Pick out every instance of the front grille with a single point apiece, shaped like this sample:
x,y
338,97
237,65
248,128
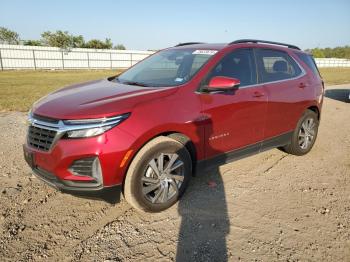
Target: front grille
x,y
40,138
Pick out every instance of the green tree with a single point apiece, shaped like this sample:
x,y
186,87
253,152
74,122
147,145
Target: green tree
x,y
318,53
9,37
57,39
33,42
62,39
347,52
98,44
337,52
119,47
78,41
328,52
108,43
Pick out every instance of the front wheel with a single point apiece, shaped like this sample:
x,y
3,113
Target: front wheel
x,y
304,136
158,175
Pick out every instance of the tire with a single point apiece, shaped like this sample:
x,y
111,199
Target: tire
x,y
149,189
296,146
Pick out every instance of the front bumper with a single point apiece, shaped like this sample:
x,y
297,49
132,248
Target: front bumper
x,y
110,194
54,166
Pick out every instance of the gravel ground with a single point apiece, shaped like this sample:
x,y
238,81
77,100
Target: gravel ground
x,y
267,207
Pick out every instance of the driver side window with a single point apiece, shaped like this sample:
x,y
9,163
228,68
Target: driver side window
x,y
238,64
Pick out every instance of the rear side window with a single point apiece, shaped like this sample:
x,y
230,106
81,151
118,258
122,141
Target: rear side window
x,y
276,65
310,62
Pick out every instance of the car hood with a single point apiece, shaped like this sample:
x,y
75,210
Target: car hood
x,y
95,99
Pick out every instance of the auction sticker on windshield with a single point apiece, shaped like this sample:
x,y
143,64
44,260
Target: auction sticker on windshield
x,y
205,52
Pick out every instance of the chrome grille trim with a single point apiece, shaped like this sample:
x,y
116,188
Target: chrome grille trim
x,y
45,119
60,127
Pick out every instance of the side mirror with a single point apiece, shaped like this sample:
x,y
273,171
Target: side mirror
x,y
223,83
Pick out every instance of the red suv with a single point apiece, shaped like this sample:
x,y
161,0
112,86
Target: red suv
x,y
144,131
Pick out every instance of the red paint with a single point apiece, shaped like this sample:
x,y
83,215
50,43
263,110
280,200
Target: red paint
x,y
214,122
222,82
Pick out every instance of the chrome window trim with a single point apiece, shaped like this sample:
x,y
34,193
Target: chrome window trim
x,y
302,74
261,84
277,81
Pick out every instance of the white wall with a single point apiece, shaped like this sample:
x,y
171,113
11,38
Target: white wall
x,y
332,62
37,57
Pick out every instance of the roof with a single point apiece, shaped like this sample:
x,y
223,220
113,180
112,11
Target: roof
x,y
253,42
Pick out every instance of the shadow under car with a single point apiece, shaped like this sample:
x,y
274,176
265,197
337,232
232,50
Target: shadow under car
x,y
342,95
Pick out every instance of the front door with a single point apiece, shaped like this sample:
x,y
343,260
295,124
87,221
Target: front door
x,y
235,119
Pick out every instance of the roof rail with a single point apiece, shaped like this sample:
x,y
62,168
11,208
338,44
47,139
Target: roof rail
x,y
240,41
189,43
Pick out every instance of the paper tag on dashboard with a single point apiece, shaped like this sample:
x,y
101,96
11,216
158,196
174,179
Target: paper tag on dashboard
x,y
205,52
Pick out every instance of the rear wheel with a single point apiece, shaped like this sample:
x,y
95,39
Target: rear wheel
x,y
304,136
158,175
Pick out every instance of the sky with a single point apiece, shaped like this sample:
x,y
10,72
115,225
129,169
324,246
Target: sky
x,y
154,24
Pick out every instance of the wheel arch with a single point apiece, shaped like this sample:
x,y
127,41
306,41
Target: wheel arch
x,y
316,110
179,137
187,142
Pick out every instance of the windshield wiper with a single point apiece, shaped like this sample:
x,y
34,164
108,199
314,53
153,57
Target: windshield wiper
x,y
134,83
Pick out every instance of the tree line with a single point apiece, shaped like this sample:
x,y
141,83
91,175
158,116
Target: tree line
x,y
61,39
65,40
337,52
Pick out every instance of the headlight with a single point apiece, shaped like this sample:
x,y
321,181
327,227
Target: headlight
x,y
88,132
91,127
29,117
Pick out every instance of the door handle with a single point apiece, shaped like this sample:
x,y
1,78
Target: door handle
x,y
258,94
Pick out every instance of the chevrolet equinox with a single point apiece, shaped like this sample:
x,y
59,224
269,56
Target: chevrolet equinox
x,y
144,131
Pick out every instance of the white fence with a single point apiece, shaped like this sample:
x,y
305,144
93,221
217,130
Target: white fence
x,y
38,57
332,62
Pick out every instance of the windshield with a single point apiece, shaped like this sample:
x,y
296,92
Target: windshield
x,y
166,68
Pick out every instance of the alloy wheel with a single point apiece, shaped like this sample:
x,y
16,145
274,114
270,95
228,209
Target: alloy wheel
x,y
307,133
163,178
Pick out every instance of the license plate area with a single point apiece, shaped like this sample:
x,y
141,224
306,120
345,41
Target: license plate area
x,y
29,157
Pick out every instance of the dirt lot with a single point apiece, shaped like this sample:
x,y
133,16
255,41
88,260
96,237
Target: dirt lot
x,y
267,207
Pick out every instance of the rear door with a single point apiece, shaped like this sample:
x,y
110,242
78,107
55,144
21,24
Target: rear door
x,y
234,119
285,84
317,83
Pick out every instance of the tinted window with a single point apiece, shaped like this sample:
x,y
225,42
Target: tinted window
x,y
309,61
276,65
238,64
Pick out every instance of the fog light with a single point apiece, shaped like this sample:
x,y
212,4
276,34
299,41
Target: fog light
x,y
96,170
88,167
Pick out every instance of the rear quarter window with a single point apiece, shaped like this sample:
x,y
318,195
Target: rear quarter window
x,y
310,62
